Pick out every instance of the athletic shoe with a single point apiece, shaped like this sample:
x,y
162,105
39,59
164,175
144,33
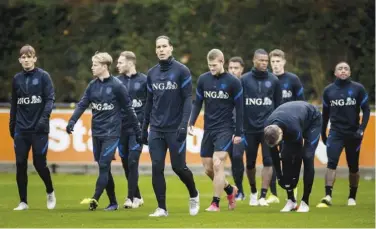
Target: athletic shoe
x,y
272,199
351,202
137,202
112,207
159,212
51,200
194,204
240,196
262,202
303,207
231,198
253,201
21,206
325,202
290,206
213,208
128,203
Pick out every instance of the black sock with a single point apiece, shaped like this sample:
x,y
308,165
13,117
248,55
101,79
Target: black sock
x,y
328,190
216,200
263,192
137,194
353,191
229,189
290,195
253,188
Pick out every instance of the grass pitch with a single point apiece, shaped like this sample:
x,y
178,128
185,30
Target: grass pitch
x,y
71,189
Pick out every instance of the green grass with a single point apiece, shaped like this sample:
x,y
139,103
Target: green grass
x,y
70,189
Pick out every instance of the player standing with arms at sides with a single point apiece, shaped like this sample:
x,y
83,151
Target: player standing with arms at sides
x,y
292,90
222,93
262,94
294,127
236,67
110,101
129,149
167,110
32,101
342,101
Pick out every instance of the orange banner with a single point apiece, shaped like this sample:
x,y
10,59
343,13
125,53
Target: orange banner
x,y
78,146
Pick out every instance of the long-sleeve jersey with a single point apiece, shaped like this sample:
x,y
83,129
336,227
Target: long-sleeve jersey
x,y
262,94
32,101
342,101
292,88
294,118
109,99
169,100
136,85
221,94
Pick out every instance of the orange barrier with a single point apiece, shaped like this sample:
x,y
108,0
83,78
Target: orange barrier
x,y
78,147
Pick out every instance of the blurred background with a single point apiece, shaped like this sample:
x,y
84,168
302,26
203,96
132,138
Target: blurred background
x,y
315,35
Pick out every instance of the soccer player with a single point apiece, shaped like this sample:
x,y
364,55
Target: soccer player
x,y
222,92
129,149
32,101
292,90
109,101
295,127
236,67
262,94
167,110
342,101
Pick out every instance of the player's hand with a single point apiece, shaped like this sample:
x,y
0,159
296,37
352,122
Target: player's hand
x,y
70,127
324,138
237,139
191,131
359,134
181,134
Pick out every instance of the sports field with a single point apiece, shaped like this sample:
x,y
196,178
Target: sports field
x,y
70,189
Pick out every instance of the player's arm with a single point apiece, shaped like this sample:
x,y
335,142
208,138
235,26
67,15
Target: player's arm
x,y
197,105
148,105
49,98
125,102
186,93
81,106
143,97
363,98
13,109
325,116
238,100
277,97
298,89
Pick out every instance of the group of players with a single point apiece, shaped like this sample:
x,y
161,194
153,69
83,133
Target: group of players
x,y
242,112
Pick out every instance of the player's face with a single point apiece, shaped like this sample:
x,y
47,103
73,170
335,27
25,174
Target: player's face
x,y
163,49
122,65
215,66
98,68
278,64
235,68
342,71
260,61
27,61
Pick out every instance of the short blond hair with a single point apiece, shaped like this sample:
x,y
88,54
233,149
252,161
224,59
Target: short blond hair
x,y
214,54
103,58
130,56
27,50
277,53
